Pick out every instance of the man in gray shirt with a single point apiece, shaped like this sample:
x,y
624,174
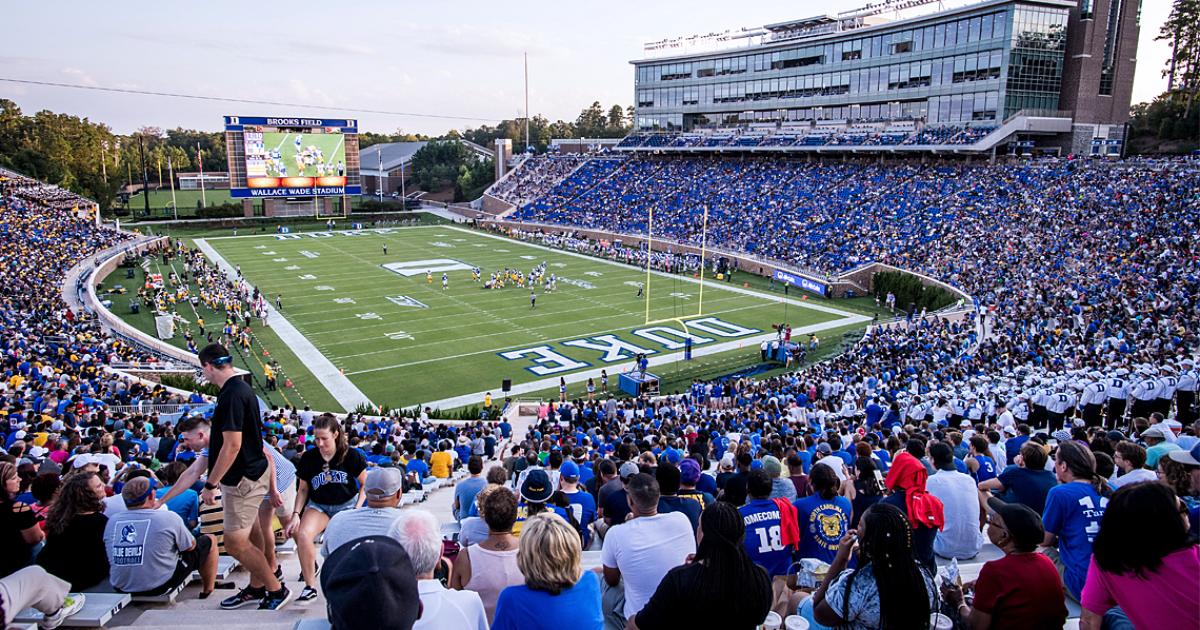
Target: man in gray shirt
x,y
151,551
384,489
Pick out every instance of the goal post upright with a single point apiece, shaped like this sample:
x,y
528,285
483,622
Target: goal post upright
x,y
703,253
649,255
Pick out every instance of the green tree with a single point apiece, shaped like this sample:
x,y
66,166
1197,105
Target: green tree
x,y
449,164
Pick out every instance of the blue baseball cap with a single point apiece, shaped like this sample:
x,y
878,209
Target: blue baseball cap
x,y
569,470
673,456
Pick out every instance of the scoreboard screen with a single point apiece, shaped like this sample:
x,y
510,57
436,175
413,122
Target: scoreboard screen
x,y
292,157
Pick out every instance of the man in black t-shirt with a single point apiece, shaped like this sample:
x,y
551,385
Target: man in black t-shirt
x,y
236,462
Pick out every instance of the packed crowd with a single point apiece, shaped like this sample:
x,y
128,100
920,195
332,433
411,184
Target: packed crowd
x,y
1064,439
534,177
852,135
34,192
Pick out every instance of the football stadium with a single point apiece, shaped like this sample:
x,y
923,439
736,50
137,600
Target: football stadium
x,y
886,317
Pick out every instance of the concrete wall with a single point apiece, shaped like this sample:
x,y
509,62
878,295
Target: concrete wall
x,y
114,323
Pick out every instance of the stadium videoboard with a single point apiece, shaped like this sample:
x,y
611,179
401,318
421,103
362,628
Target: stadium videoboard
x,y
292,157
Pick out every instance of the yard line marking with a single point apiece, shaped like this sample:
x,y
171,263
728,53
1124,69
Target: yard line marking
x,y
696,281
343,391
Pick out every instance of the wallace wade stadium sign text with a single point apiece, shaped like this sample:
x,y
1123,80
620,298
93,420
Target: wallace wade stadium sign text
x,y
317,191
547,360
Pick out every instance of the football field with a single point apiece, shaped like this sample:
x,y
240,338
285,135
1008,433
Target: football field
x,y
332,149
381,328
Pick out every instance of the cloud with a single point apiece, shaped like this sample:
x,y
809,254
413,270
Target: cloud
x,y
473,41
331,48
79,76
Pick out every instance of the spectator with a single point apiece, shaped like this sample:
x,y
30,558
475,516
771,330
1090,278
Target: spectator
x,y
332,476
868,488
669,477
638,553
1131,464
1190,460
1073,512
536,492
615,503
383,489
557,593
960,538
490,566
771,532
370,583
581,505
465,490
1157,444
689,475
720,587
890,588
32,587
419,533
186,503
152,551
238,466
75,549
906,480
442,461
1020,590
1027,482
19,530
824,517
796,474
780,487
1144,568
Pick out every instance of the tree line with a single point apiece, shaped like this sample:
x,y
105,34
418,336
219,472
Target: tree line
x,y
88,158
1171,122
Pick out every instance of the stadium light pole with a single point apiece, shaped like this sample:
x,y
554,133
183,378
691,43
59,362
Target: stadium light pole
x,y
527,102
379,172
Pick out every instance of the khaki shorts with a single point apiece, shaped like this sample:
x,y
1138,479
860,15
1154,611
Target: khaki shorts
x,y
240,503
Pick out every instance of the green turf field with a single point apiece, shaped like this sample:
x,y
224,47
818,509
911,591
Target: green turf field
x,y
402,340
331,148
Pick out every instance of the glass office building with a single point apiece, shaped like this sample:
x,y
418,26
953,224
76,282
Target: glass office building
x,y
974,65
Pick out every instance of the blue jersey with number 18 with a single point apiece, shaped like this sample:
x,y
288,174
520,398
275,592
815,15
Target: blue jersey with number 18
x,y
763,540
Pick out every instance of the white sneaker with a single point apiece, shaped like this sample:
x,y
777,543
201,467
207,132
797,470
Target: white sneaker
x,y
71,605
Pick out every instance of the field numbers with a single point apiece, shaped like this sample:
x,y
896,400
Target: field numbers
x,y
270,253
323,287
682,296
344,301
308,276
399,335
368,316
308,254
442,244
594,274
292,268
279,259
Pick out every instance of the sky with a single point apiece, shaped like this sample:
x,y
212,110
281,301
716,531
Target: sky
x,y
456,58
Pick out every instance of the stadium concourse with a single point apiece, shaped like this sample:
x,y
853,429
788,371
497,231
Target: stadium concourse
x,y
1054,458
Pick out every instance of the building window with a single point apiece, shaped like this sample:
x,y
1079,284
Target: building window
x,y
902,47
1112,35
1086,9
